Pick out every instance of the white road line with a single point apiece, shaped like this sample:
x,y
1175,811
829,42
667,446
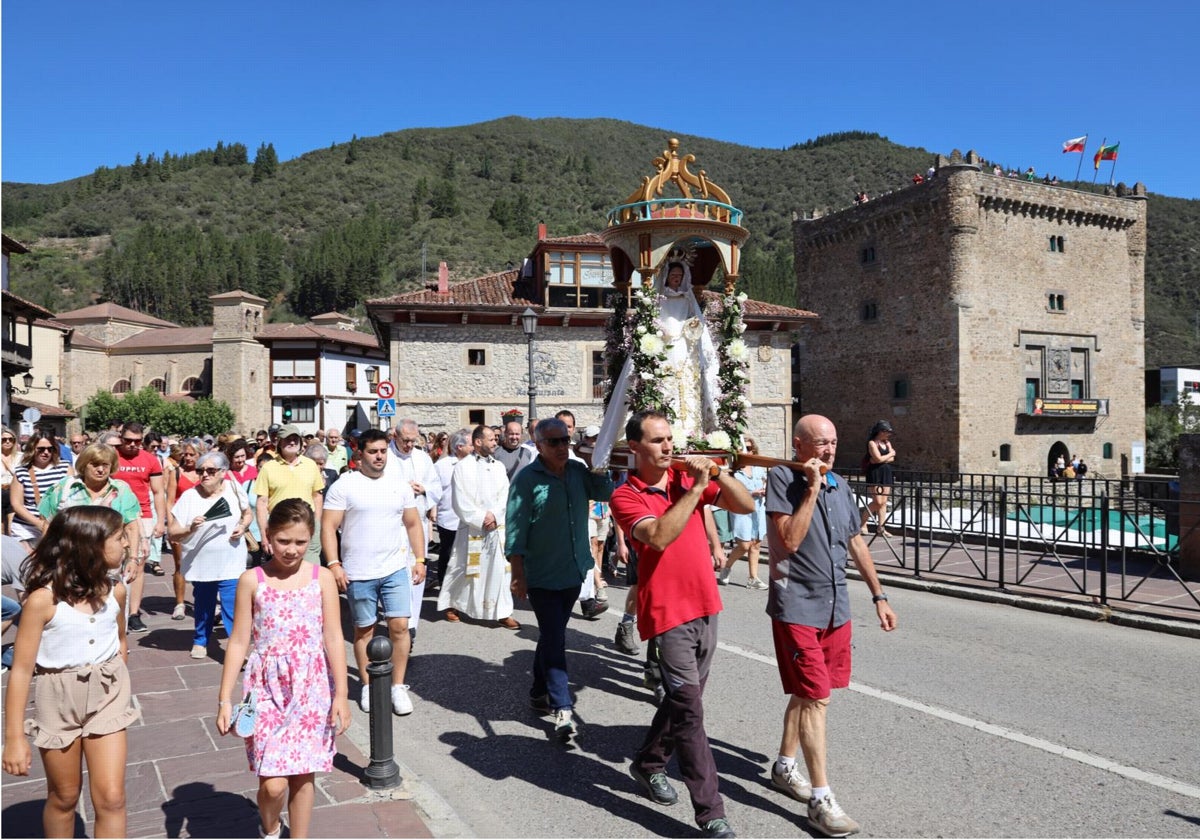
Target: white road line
x,y
1096,761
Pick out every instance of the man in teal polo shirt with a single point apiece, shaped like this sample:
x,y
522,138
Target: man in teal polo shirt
x,y
547,501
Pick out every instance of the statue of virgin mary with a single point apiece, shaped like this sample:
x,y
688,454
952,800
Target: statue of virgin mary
x,y
690,384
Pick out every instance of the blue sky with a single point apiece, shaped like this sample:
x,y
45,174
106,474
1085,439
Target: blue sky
x,y
90,84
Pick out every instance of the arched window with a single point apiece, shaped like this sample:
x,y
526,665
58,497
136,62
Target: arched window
x,y
1006,452
193,385
121,386
159,385
1108,449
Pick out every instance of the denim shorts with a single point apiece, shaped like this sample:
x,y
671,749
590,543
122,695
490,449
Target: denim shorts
x,y
365,596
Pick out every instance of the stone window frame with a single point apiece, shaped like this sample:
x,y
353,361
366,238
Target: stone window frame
x,y
1058,244
869,311
901,388
159,384
192,385
476,417
1056,302
479,353
1006,452
122,386
593,388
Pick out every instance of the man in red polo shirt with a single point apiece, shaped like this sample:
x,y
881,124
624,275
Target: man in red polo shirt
x,y
661,509
142,471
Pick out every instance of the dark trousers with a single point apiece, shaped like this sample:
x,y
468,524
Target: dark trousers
x,y
684,657
552,607
446,538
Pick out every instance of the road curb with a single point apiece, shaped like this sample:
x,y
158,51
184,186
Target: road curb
x,y
1097,612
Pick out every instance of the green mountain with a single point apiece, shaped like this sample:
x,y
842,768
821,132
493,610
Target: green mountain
x,y
374,216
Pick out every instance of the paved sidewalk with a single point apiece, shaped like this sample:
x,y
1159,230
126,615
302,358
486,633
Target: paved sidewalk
x,y
183,779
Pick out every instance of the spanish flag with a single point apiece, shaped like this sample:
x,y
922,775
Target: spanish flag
x,y
1106,153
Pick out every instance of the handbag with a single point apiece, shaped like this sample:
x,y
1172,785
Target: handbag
x,y
243,717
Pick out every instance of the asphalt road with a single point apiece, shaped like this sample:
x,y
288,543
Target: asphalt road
x,y
970,720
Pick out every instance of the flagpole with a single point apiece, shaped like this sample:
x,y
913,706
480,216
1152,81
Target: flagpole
x,y
1112,172
1096,174
1082,155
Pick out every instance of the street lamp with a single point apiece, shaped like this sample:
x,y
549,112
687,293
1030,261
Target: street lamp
x,y
529,321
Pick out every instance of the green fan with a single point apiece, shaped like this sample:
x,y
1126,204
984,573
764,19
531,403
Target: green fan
x,y
218,511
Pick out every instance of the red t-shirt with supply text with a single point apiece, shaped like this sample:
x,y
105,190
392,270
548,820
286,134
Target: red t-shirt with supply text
x,y
137,472
675,585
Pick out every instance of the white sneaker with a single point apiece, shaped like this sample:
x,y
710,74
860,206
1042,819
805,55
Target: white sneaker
x,y
401,702
723,577
564,725
364,699
755,583
827,817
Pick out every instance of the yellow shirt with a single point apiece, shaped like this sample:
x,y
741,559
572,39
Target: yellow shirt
x,y
279,480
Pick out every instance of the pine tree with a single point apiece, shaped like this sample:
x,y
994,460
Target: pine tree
x,y
352,150
266,163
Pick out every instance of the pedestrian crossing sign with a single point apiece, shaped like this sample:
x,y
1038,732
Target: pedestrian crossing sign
x,y
386,408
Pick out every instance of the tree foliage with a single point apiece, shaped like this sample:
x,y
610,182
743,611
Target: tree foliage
x,y
478,217
1164,425
205,416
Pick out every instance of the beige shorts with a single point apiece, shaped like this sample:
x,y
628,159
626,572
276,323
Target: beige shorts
x,y
77,702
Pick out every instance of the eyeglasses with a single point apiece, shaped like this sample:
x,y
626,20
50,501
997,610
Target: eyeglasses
x,y
78,442
43,449
131,440
558,441
208,471
8,440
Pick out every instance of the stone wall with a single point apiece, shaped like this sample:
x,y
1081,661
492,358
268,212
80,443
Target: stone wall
x,y
959,271
437,385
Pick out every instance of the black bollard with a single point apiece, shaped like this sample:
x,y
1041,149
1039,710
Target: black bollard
x,y
382,772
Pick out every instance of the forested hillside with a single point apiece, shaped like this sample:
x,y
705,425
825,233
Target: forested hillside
x,y
360,219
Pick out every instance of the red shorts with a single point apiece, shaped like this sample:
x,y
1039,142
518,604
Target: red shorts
x,y
812,662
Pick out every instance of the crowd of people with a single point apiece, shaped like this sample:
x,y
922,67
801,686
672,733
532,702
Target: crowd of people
x,y
275,530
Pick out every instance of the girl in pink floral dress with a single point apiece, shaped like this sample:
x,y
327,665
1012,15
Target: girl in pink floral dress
x,y
287,618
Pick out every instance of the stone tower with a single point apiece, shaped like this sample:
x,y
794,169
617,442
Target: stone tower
x,y
995,322
241,363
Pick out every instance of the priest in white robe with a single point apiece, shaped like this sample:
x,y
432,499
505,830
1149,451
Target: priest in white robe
x,y
478,581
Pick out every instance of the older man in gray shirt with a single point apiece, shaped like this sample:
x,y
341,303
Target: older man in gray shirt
x,y
814,530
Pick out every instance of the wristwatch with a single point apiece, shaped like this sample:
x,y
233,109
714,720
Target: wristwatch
x,y
875,599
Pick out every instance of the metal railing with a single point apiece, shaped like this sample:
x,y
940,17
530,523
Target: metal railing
x,y
1099,541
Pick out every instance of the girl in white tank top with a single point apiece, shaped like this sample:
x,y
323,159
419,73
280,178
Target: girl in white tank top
x,y
72,637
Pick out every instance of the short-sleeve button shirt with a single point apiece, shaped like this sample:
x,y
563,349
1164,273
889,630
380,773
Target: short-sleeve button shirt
x,y
808,586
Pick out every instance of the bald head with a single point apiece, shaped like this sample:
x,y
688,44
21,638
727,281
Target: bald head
x,y
815,437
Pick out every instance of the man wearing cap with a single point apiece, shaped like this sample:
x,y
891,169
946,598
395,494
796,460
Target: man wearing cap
x,y
288,475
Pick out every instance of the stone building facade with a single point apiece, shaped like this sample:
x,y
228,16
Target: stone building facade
x,y
460,357
996,323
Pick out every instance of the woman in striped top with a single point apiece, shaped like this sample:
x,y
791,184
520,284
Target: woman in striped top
x,y
40,469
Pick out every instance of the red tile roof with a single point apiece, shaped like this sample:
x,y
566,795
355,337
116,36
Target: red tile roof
x,y
580,239
111,312
491,290
47,410
307,332
24,307
495,291
167,337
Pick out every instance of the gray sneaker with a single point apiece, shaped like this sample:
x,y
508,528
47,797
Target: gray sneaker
x,y
626,639
723,577
755,583
827,817
792,783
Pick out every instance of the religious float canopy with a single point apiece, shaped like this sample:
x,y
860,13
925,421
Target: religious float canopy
x,y
665,350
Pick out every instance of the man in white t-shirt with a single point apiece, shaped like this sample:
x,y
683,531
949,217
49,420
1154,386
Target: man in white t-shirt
x,y
372,566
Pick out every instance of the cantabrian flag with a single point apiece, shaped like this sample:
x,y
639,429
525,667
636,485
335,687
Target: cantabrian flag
x,y
1106,153
1075,145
